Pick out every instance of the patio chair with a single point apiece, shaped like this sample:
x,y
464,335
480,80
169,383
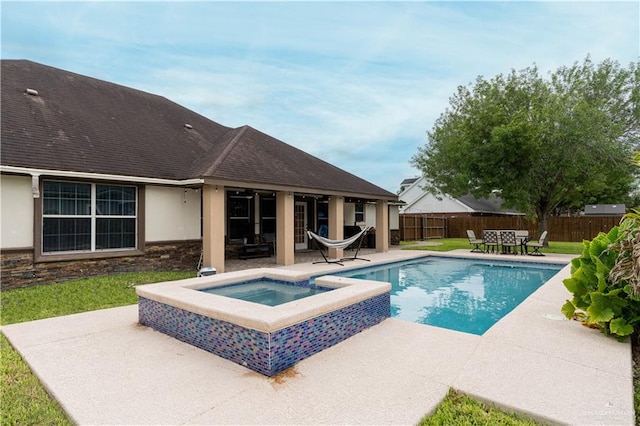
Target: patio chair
x,y
522,236
509,242
537,245
490,241
474,241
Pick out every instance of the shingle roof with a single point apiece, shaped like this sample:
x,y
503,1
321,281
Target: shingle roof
x,y
78,123
486,205
253,156
409,181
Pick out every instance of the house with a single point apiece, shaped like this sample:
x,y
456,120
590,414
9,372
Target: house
x,y
99,178
419,201
604,209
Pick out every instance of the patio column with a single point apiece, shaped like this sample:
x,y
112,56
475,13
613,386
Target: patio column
x,y
336,224
214,217
382,226
285,241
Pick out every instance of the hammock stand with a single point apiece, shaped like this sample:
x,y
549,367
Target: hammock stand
x,y
339,244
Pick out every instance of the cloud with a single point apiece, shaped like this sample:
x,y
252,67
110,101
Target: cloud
x,y
355,83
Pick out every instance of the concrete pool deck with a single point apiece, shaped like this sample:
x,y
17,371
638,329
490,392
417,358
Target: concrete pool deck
x,y
105,368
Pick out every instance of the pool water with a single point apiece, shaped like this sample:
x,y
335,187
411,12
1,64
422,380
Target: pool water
x,y
265,291
459,294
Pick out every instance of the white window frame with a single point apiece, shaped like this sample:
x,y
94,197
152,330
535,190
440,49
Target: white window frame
x,y
93,216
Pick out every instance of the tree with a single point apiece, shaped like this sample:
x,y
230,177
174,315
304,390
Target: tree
x,y
541,142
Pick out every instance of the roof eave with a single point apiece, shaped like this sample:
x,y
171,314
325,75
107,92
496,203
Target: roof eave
x,y
99,176
297,189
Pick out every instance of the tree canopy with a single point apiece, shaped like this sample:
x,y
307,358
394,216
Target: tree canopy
x,y
543,143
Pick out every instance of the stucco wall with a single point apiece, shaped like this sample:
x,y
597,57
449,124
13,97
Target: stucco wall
x,y
349,213
370,215
172,214
394,218
16,211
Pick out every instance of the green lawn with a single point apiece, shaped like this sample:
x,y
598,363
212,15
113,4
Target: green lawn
x,y
448,244
25,402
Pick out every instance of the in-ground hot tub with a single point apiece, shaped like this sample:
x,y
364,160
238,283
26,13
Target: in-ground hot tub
x,y
266,339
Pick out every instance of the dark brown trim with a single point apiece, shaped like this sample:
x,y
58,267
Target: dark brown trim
x,y
141,217
39,257
16,250
170,242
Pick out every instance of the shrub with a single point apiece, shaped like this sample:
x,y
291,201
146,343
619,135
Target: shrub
x,y
602,281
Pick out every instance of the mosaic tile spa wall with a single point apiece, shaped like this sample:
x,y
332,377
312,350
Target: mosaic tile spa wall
x,y
265,352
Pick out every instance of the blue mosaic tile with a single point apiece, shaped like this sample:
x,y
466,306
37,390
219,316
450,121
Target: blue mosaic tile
x,y
266,353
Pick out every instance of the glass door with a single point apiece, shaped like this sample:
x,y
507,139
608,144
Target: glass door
x,y
300,225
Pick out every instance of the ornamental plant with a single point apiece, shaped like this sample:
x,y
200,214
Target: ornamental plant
x,y
604,281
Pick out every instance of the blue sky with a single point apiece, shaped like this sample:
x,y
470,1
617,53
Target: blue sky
x,y
356,83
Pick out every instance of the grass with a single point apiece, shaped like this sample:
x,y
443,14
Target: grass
x,y
448,244
71,297
460,410
25,402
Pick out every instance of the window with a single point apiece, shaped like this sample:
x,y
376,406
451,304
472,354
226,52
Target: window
x,y
323,219
239,212
268,215
86,217
359,212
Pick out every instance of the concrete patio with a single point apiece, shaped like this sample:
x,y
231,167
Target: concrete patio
x,y
104,369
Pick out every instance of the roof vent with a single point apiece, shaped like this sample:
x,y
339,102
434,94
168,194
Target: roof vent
x,y
188,126
32,92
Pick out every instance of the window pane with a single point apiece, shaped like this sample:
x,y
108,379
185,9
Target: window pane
x,y
66,234
359,212
113,200
50,206
240,228
268,208
64,198
268,226
115,233
238,207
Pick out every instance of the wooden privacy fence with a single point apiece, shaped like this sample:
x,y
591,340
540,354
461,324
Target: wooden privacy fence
x,y
570,229
422,227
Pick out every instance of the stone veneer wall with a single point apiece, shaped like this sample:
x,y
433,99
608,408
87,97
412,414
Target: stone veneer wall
x,y
264,352
18,270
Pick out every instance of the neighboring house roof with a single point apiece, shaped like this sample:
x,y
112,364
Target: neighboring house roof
x,y
420,201
78,123
408,181
604,209
486,205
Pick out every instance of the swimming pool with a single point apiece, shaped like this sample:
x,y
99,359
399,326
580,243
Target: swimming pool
x,y
468,295
267,292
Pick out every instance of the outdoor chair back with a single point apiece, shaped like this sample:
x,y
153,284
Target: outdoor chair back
x,y
536,245
474,241
509,241
491,241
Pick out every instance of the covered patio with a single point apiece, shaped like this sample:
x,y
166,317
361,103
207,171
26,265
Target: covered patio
x,y
279,218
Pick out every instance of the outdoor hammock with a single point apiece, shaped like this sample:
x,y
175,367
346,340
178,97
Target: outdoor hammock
x,y
339,244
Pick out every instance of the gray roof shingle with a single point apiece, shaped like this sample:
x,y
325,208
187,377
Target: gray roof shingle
x,y
486,205
82,124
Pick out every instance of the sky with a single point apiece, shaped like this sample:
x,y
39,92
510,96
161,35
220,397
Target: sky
x,y
356,83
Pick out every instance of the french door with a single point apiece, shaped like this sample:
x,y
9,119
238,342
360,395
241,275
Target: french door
x,y
300,225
